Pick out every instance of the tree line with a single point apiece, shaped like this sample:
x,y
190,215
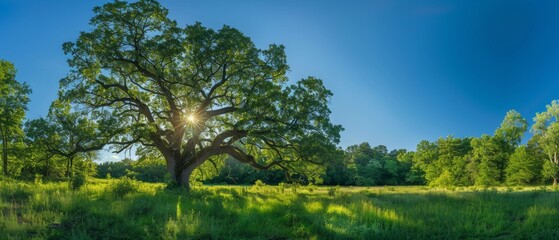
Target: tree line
x,y
488,160
66,141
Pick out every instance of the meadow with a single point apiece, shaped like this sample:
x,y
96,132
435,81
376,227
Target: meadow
x,y
127,209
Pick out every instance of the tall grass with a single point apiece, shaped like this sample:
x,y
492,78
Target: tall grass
x,y
150,211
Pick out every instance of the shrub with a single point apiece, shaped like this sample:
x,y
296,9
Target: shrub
x,y
38,179
244,191
294,187
332,191
311,187
281,187
123,187
77,181
18,194
259,183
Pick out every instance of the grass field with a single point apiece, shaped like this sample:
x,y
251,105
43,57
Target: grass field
x,y
103,210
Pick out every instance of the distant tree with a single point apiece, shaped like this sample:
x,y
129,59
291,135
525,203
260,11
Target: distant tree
x,y
40,160
13,104
149,169
366,163
116,169
68,134
338,171
196,94
426,153
234,172
508,136
490,155
411,172
450,166
512,129
546,131
395,170
523,168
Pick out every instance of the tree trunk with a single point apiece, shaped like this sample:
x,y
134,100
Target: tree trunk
x,y
554,181
5,156
179,175
46,173
69,167
185,178
171,163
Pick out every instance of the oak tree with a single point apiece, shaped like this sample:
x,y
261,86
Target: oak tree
x,y
196,94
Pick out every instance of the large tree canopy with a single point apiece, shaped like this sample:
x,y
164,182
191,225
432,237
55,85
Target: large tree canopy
x,y
13,104
195,94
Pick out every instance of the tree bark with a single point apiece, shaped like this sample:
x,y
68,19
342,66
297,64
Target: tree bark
x,y
4,152
180,175
46,173
554,181
69,167
5,156
171,163
185,178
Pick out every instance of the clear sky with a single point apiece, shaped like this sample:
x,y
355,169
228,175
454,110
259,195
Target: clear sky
x,y
400,71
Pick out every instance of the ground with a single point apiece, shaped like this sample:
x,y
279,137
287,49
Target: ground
x,y
117,209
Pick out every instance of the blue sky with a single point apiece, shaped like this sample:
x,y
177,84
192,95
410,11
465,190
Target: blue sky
x,y
400,71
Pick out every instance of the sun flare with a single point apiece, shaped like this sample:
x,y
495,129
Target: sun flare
x,y
191,118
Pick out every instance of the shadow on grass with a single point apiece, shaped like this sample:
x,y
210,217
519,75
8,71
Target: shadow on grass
x,y
235,213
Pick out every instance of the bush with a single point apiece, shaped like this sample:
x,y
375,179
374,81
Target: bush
x,y
332,191
259,183
17,194
294,187
281,187
244,191
38,179
77,181
311,187
122,187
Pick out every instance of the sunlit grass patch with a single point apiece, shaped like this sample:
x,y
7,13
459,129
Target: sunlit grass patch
x,y
52,210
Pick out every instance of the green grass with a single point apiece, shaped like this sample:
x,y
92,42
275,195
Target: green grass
x,y
149,211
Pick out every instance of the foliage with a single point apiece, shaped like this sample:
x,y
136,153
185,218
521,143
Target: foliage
x,y
234,172
122,187
13,104
339,171
194,94
259,183
490,158
364,165
77,181
523,168
116,169
67,134
549,170
145,169
449,168
38,179
512,128
148,169
546,131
